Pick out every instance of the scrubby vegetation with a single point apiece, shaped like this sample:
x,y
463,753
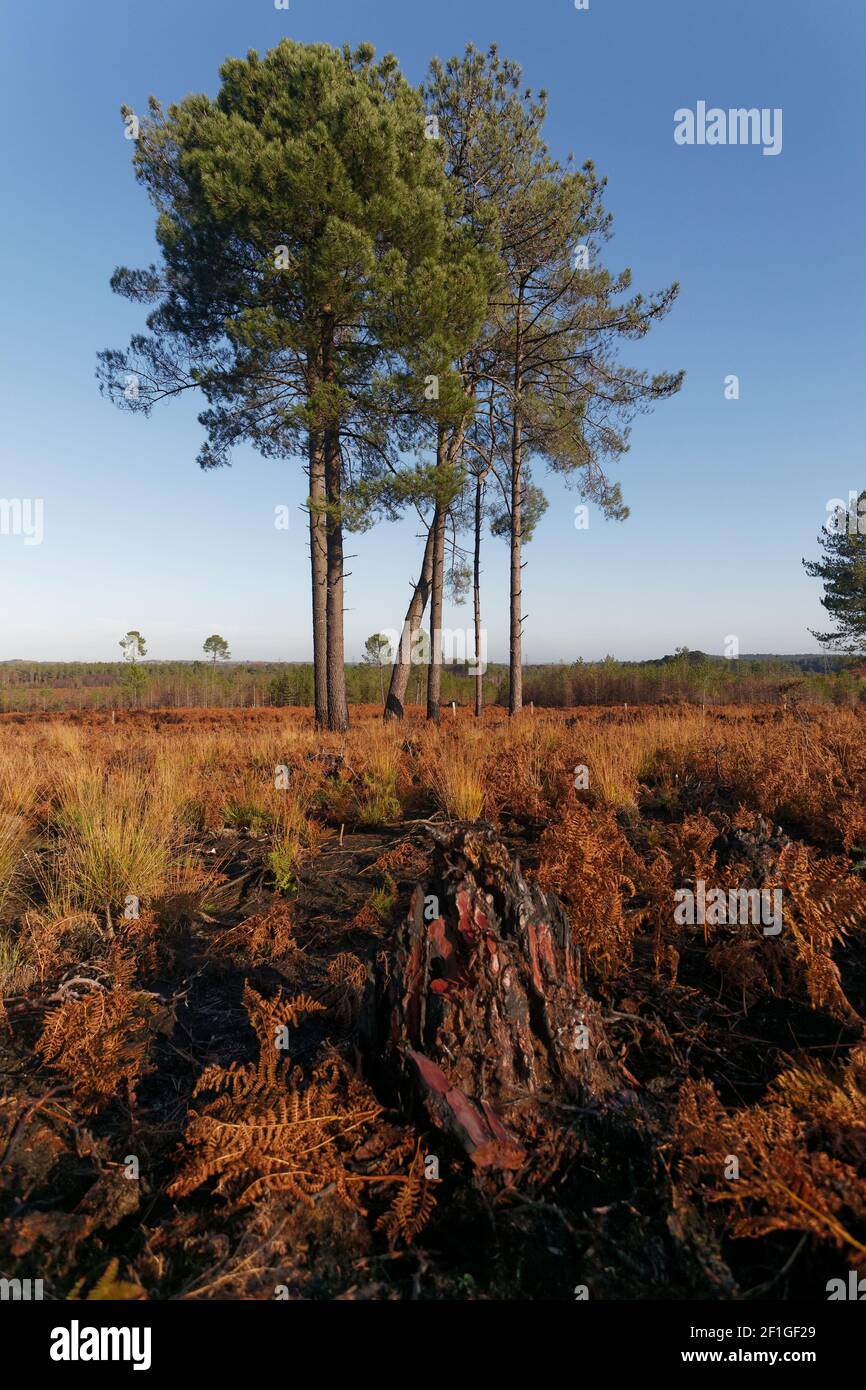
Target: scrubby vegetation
x,y
53,687
195,907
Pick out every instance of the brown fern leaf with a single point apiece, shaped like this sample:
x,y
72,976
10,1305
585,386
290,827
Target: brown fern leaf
x,y
784,1181
347,975
823,901
347,969
103,1039
282,1011
834,1103
270,1130
414,1204
239,1079
403,860
267,936
586,861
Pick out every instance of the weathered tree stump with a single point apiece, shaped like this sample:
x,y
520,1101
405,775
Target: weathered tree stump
x,y
484,1015
479,1018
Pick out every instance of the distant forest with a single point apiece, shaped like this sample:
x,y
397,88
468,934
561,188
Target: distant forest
x,y
688,675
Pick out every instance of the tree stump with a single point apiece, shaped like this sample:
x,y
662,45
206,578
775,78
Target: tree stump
x,y
483,1014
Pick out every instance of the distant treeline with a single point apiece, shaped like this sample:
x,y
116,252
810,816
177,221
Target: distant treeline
x,y
689,676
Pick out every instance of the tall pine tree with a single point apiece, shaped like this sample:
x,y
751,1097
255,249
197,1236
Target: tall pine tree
x,y
545,366
303,217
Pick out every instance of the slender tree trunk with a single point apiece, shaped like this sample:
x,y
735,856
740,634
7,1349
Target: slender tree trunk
x,y
515,686
338,713
414,613
434,672
319,572
476,594
515,683
447,449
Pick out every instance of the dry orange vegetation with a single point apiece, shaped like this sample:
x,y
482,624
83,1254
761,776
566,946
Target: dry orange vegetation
x,y
194,907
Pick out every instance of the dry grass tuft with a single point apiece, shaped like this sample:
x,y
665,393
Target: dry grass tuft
x,y
454,773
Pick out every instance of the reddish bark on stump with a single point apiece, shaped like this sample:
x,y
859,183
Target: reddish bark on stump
x,y
485,1011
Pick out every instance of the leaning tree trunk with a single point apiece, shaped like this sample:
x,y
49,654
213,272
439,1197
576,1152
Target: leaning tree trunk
x,y
485,1017
338,713
319,572
414,614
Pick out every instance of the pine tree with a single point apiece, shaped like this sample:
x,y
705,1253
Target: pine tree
x,y
303,220
569,398
482,124
546,359
217,648
842,571
376,649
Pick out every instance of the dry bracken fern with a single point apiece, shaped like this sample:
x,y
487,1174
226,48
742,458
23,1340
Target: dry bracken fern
x,y
788,1178
100,1038
270,1129
586,861
413,1205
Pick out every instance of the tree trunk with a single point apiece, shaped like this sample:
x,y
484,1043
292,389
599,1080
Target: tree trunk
x,y
476,594
338,713
414,614
319,572
447,450
434,672
515,683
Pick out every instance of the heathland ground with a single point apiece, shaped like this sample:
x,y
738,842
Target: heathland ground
x,y
179,888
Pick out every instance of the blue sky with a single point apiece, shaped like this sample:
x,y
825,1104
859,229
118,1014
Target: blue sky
x,y
726,496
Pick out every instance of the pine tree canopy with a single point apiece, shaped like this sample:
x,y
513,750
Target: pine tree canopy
x,y
313,268
842,569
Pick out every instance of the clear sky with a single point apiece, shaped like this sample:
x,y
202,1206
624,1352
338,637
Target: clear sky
x,y
726,495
